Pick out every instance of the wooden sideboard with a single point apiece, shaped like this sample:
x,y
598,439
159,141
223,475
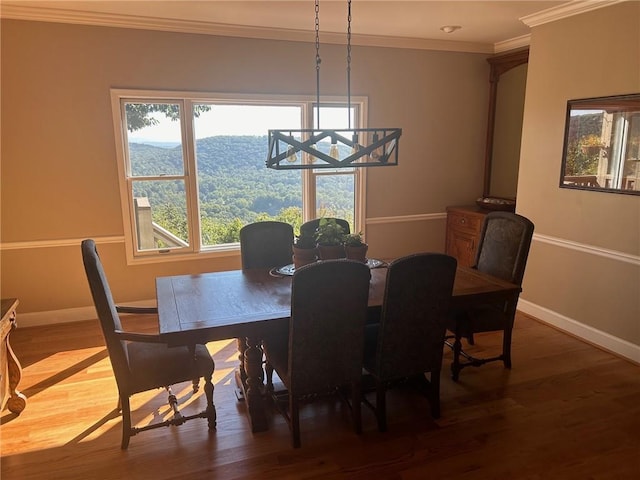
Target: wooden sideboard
x,y
10,369
463,232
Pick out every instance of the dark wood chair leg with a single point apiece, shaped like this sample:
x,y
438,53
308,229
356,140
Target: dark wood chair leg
x,y
172,400
196,384
507,335
506,348
212,416
126,421
294,414
455,366
434,394
356,402
381,407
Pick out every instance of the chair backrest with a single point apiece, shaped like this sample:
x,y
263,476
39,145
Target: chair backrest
x,y
106,310
504,246
311,226
266,244
326,330
414,315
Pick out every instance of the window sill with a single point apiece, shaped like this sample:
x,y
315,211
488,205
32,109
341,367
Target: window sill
x,y
220,252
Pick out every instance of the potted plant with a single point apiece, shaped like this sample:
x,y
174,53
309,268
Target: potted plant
x,y
355,248
329,237
304,250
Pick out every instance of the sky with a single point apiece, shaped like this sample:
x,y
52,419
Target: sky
x,y
238,120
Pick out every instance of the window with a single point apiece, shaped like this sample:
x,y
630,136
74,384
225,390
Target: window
x,y
192,169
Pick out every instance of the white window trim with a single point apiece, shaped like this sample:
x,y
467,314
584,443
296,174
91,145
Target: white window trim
x,y
185,98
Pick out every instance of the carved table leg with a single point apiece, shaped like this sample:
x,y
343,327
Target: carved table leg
x,y
253,386
241,372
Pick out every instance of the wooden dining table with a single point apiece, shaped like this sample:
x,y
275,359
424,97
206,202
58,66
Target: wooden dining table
x,y
250,304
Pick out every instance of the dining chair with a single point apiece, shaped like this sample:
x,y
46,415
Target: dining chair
x,y
322,352
266,244
408,341
311,226
503,249
142,361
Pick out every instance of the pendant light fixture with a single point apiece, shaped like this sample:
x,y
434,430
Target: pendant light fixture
x,y
347,148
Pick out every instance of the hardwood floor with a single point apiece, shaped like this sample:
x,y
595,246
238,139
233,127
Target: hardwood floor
x,y
566,410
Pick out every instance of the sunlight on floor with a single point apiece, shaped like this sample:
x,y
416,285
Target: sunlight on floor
x,y
46,381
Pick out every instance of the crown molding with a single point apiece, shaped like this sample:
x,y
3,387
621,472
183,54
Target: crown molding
x,y
412,43
512,44
54,15
564,11
40,14
21,12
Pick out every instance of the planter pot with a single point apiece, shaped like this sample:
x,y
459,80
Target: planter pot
x,y
303,256
357,252
330,252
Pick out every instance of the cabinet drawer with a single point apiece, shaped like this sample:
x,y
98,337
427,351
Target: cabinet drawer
x,y
462,221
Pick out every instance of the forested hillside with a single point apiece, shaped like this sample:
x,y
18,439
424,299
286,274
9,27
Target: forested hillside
x,y
235,187
584,130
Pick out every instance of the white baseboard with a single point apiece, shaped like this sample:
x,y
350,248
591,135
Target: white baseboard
x,y
589,334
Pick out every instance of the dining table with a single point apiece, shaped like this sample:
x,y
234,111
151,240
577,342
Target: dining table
x,y
250,304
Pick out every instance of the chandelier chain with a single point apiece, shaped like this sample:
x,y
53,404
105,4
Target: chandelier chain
x,y
318,61
349,63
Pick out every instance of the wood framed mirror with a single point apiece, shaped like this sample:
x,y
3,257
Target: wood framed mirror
x,y
602,144
504,124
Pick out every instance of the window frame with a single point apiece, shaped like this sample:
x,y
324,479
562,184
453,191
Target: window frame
x,y
185,99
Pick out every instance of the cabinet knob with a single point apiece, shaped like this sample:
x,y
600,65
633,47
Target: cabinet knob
x,y
463,220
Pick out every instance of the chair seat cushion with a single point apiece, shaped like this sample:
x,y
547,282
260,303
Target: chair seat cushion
x,y
154,365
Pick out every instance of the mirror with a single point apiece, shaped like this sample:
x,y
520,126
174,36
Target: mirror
x,y
602,144
504,124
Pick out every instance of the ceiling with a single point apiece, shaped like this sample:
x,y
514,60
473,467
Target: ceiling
x,y
486,26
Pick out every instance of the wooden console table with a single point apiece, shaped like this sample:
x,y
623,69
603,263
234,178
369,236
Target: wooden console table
x,y
10,369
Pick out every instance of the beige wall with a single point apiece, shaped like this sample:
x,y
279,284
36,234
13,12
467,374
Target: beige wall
x,y
584,264
59,174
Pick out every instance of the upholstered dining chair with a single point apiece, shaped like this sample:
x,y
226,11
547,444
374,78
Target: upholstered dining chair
x,y
503,249
408,341
310,227
141,361
323,350
266,244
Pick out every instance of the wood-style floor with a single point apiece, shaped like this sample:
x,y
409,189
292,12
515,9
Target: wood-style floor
x,y
566,410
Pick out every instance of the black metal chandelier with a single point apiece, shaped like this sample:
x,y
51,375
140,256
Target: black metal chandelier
x,y
331,148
